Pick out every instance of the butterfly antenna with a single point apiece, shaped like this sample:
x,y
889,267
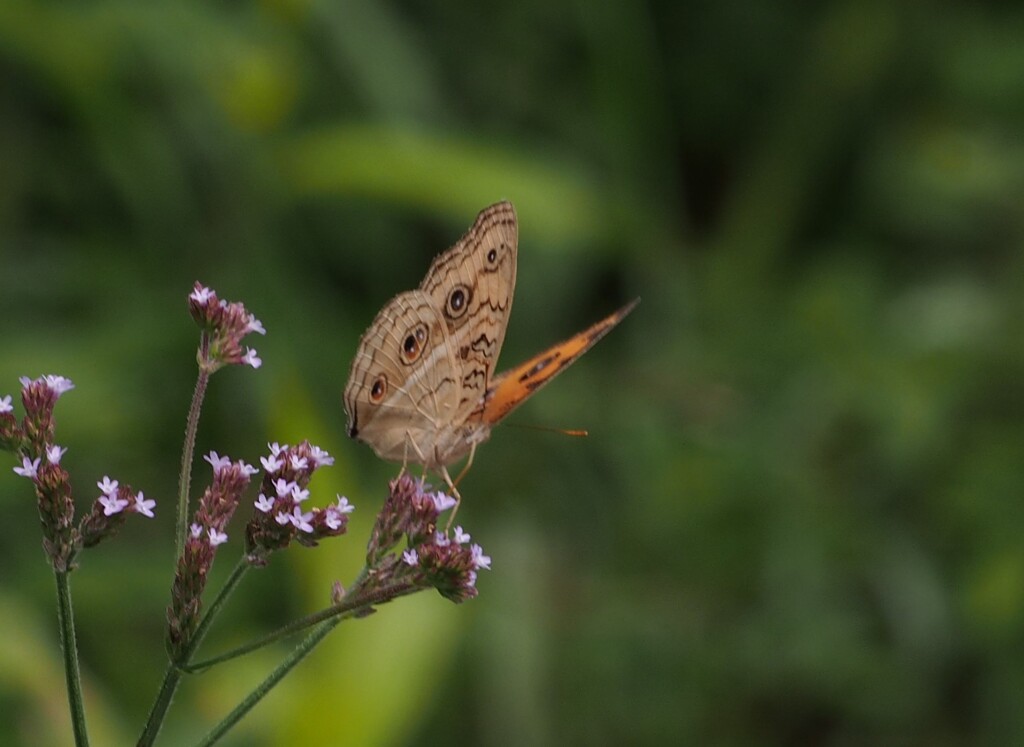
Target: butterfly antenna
x,y
575,432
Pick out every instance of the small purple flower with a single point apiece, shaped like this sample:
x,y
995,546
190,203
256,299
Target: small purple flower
x,y
276,448
441,540
144,507
247,469
332,518
320,457
443,502
201,295
298,462
56,384
282,518
217,462
301,520
54,453
461,537
217,538
112,504
479,559
283,487
255,325
29,468
264,503
195,530
5,404
251,359
107,486
271,464
411,557
335,513
299,494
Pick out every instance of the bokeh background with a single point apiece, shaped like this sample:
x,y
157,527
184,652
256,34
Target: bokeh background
x,y
798,519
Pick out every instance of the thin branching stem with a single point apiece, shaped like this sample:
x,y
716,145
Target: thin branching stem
x,y
237,573
352,605
172,677
188,452
286,666
175,670
337,614
160,705
69,647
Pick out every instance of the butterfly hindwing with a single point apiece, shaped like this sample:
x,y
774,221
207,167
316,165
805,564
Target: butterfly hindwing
x,y
513,387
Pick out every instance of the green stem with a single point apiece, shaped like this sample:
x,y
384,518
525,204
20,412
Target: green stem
x,y
352,606
188,452
163,701
237,573
297,655
300,653
173,675
69,647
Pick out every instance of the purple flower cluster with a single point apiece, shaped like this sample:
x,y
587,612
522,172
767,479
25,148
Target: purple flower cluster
x,y
39,397
224,326
207,531
110,510
431,559
280,517
33,441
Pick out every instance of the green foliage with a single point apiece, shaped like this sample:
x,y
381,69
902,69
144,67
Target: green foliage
x,y
797,519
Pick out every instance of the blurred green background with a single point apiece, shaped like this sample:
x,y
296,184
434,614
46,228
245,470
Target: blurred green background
x,y
798,518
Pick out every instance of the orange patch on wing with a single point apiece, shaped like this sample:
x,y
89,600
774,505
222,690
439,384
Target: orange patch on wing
x,y
511,388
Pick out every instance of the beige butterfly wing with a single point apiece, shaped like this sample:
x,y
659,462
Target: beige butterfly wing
x,y
417,383
472,285
403,386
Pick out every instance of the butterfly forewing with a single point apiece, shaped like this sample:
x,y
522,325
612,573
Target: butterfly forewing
x,y
472,285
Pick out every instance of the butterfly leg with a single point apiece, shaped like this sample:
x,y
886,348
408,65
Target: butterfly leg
x,y
455,495
405,456
469,463
455,491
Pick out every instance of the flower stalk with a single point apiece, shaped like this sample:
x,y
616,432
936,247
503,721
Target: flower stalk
x,y
69,650
187,455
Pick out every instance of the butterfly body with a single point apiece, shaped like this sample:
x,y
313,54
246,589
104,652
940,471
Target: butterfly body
x,y
422,386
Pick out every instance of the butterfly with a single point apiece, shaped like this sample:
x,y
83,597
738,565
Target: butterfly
x,y
422,386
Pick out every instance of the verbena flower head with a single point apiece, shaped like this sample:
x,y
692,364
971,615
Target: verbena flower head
x,y
39,397
410,511
111,509
10,432
430,559
279,518
207,532
33,442
224,326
